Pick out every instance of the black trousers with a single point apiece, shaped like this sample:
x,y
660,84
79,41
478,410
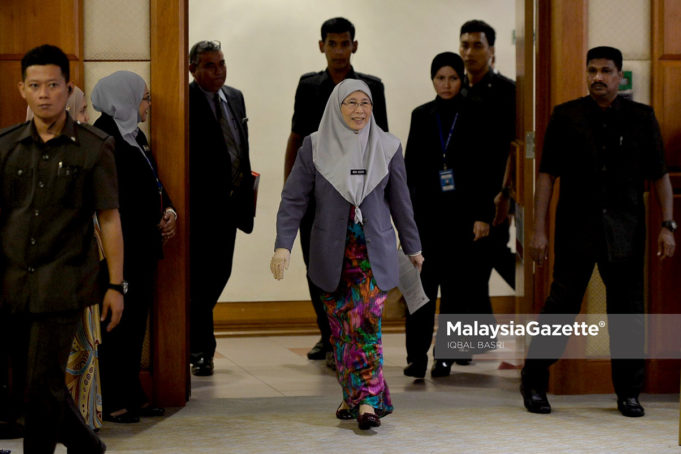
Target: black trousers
x,y
39,347
120,354
315,292
501,258
209,270
623,281
456,266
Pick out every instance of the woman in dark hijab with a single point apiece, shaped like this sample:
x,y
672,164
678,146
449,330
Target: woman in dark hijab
x,y
453,207
148,221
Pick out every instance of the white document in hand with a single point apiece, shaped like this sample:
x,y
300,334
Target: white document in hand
x,y
410,283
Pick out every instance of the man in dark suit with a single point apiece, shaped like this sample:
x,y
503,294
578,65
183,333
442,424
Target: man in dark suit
x,y
337,44
221,191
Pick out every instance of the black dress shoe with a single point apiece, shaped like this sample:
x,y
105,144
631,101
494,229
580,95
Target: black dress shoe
x,y
441,369
203,367
124,418
368,420
463,362
150,411
535,400
416,370
630,406
343,413
318,351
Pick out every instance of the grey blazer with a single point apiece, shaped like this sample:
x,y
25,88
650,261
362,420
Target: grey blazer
x,y
327,242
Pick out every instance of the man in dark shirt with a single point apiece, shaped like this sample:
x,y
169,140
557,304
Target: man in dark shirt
x,y
496,96
337,44
602,147
56,173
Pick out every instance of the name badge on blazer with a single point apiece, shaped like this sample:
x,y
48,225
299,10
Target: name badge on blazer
x,y
447,180
358,171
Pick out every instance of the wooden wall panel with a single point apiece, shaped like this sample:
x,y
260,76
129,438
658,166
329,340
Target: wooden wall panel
x,y
669,27
13,105
664,286
169,140
29,23
25,24
667,108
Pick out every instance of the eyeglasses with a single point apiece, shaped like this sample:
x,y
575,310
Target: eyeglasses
x,y
147,98
352,104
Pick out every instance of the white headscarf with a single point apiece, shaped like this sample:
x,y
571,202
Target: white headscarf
x,y
337,150
119,95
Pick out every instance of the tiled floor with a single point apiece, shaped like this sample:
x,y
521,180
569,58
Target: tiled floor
x,y
266,397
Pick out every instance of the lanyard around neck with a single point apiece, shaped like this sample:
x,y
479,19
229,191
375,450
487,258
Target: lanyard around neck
x,y
445,144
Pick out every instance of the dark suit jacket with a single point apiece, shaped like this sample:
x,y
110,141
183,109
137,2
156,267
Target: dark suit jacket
x,y
210,167
332,212
468,157
141,208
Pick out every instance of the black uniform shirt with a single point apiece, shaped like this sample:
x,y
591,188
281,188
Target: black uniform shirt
x,y
603,158
50,190
313,92
495,96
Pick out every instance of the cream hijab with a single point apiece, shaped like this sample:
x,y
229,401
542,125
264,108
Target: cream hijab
x,y
119,95
353,162
73,105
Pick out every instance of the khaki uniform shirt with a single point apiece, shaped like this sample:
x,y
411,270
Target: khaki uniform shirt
x,y
50,190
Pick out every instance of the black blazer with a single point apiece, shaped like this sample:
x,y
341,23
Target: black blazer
x,y
210,166
141,206
467,156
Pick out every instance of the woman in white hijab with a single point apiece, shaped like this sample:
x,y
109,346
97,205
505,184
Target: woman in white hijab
x,y
355,173
148,221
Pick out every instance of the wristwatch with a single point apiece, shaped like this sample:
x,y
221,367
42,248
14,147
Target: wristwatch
x,y
670,225
121,288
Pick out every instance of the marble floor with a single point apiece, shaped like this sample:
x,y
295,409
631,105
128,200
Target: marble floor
x,y
266,397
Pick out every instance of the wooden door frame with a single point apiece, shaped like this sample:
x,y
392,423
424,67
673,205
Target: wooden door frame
x,y
169,140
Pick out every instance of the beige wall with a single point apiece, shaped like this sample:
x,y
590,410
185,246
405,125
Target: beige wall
x,y
116,37
625,24
268,44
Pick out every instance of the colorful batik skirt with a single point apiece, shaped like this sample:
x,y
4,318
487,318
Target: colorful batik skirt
x,y
354,312
82,369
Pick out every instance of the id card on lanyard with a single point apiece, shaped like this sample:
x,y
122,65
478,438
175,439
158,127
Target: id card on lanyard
x,y
446,175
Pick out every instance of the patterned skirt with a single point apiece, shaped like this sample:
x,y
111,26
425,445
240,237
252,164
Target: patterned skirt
x,y
354,312
82,369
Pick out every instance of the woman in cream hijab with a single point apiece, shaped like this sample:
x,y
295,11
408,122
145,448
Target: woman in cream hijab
x,y
76,105
355,173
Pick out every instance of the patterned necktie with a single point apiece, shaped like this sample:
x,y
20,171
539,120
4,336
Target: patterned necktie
x,y
232,147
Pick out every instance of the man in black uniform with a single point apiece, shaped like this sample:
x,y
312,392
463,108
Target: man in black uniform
x,y
602,147
56,173
337,44
496,95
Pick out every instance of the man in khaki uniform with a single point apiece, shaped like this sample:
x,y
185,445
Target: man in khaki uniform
x,y
55,173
